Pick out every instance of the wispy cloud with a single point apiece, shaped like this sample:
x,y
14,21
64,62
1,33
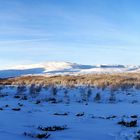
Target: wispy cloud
x,y
92,32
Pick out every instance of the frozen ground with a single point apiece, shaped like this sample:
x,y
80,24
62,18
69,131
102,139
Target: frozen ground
x,y
13,124
84,120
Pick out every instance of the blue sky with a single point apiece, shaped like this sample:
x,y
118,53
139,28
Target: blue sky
x,y
81,31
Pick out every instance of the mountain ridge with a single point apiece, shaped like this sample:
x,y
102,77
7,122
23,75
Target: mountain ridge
x,y
65,68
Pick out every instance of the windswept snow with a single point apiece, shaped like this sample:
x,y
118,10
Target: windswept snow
x,y
65,68
99,119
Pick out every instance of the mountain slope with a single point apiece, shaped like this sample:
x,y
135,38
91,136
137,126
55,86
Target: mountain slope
x,y
65,68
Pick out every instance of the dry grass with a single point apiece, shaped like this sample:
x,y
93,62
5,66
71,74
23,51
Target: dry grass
x,y
101,80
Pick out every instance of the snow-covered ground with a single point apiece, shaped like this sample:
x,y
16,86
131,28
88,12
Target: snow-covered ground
x,y
85,115
81,112
65,68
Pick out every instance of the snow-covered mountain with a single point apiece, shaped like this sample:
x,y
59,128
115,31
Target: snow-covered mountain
x,y
65,68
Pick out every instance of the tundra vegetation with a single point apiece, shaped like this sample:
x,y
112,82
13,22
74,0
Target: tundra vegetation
x,y
122,80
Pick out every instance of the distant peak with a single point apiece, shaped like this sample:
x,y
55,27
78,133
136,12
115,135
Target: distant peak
x,y
62,68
